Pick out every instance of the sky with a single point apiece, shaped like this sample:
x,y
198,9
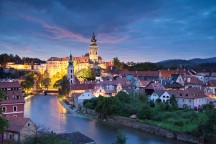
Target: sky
x,y
132,30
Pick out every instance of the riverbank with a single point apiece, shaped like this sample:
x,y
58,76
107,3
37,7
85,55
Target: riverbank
x,y
134,123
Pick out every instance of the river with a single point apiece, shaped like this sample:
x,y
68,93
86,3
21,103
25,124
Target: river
x,y
47,111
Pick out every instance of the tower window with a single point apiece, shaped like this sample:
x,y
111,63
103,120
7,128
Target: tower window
x,y
71,71
96,53
15,108
71,76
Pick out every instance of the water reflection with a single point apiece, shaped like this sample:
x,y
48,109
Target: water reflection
x,y
46,110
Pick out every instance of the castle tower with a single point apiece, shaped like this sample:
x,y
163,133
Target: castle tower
x,y
70,74
93,49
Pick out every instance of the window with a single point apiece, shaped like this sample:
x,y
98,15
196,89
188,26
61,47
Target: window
x,y
14,115
10,136
167,96
15,108
28,124
4,109
5,136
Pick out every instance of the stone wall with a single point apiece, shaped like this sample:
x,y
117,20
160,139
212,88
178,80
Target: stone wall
x,y
133,123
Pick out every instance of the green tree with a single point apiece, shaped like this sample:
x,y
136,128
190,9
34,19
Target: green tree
x,y
46,82
63,85
3,121
207,123
28,83
2,95
87,73
173,102
117,63
146,112
121,138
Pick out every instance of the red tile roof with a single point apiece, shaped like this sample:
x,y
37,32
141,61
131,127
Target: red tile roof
x,y
140,73
14,84
168,73
155,86
191,93
16,124
58,59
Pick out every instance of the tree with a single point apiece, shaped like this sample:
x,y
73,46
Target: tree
x,y
86,73
63,85
146,112
173,102
121,138
3,122
2,95
207,123
117,63
46,82
28,83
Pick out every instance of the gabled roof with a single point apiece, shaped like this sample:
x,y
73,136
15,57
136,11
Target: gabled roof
x,y
16,123
155,86
175,76
159,92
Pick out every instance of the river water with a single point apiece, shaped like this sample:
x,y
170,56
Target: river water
x,y
47,111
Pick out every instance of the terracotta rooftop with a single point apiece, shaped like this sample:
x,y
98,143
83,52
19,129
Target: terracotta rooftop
x,y
16,124
168,73
14,84
140,73
155,86
58,59
191,93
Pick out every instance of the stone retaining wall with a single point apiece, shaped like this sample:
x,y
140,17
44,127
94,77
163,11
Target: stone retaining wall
x,y
133,123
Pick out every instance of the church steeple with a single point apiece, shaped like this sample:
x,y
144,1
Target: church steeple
x,y
93,49
70,74
93,40
70,62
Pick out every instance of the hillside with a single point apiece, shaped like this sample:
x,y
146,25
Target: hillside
x,y
181,62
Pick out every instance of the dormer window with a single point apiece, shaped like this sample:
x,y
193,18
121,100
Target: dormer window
x,y
186,94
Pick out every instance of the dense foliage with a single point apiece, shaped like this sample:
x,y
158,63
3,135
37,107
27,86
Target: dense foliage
x,y
46,138
166,115
3,121
63,86
4,58
28,83
86,73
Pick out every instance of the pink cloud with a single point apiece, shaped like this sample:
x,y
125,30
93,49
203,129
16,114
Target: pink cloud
x,y
60,33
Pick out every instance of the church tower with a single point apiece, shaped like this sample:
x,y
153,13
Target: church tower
x,y
70,74
93,49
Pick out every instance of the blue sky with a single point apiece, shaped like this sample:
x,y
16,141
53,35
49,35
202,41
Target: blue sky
x,y
132,30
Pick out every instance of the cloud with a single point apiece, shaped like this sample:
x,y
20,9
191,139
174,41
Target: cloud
x,y
13,47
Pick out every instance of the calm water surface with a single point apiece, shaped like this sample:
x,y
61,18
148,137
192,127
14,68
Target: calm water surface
x,y
47,111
